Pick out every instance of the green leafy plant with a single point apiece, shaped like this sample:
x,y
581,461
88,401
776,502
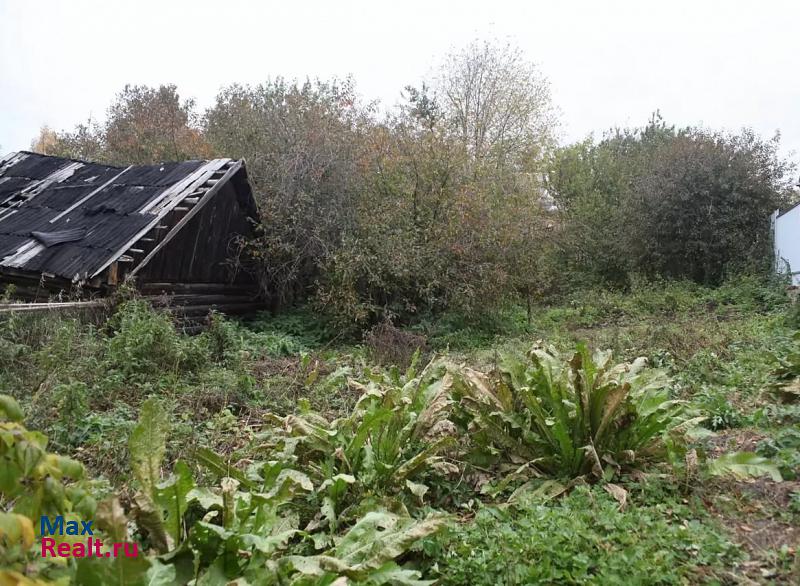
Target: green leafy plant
x,y
743,465
147,446
250,523
393,438
145,342
583,538
367,552
789,364
788,372
248,526
33,482
784,449
568,416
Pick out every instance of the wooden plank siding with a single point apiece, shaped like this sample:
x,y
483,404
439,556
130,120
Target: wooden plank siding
x,y
201,251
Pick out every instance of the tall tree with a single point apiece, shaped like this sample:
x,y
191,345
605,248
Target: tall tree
x,y
662,201
142,125
150,125
706,201
498,104
303,146
85,142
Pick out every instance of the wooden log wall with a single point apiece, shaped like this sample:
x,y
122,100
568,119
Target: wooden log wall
x,y
190,310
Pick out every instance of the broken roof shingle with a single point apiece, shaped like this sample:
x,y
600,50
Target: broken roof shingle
x,y
59,237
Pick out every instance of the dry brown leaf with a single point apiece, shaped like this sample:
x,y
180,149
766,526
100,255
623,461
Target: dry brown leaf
x,y
619,494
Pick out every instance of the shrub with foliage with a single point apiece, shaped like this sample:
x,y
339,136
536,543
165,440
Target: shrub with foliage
x,y
145,341
663,201
33,482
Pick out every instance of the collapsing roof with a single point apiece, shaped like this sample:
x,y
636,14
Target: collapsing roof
x,y
76,220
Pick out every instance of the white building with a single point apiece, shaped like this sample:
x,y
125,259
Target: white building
x,y
787,243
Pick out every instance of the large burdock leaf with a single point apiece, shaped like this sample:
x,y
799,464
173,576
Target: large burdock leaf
x,y
122,571
619,494
744,465
160,574
391,573
438,401
288,484
172,495
537,491
111,518
147,444
367,551
422,459
221,468
150,518
381,536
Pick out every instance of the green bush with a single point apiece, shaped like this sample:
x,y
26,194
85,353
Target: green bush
x,y
783,448
685,203
145,342
33,482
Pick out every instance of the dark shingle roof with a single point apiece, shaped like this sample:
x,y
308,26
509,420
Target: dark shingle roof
x,y
46,194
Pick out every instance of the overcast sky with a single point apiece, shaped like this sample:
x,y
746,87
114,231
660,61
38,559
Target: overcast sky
x,y
725,64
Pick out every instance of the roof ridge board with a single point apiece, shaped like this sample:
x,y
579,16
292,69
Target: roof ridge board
x,y
179,190
27,153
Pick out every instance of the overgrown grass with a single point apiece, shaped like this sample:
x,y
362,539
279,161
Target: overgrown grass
x,y
727,352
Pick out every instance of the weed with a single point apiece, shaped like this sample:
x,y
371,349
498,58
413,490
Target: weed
x,y
391,346
584,538
145,341
784,448
568,416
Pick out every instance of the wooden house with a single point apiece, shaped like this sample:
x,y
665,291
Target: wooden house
x,y
79,228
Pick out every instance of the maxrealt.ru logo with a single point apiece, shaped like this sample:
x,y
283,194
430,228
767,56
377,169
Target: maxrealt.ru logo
x,y
91,547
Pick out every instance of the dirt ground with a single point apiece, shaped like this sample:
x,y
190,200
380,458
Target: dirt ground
x,y
756,512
